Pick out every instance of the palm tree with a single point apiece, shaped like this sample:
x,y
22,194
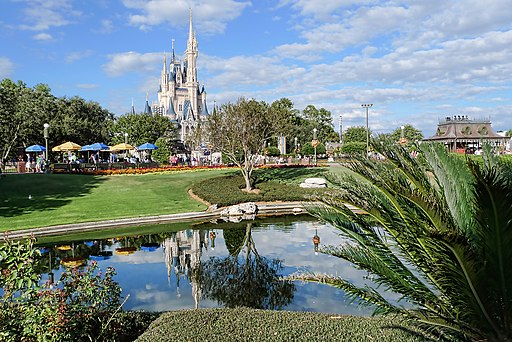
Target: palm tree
x,y
437,230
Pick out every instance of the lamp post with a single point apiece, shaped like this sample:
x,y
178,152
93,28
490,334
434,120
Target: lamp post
x,y
341,128
314,143
402,139
46,136
126,138
367,106
295,140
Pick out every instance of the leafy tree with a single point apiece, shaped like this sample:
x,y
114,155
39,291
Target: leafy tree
x,y
309,150
353,148
142,128
437,231
163,152
509,133
411,134
272,151
248,280
240,130
355,134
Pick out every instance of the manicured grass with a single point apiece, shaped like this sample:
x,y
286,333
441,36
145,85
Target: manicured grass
x,y
243,324
63,198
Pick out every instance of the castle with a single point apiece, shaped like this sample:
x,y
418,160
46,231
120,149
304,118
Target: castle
x,y
180,97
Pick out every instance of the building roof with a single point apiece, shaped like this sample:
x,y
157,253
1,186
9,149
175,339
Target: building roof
x,y
204,109
462,128
170,108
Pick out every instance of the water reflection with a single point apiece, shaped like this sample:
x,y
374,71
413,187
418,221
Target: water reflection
x,y
212,265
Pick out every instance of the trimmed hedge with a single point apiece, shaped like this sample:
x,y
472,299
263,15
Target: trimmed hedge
x,y
227,190
244,324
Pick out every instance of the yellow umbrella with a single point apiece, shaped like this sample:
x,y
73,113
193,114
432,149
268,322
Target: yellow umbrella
x,y
67,146
121,147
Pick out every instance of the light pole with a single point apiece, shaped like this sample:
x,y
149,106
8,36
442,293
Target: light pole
x,y
402,139
295,140
341,128
314,145
126,138
46,136
367,106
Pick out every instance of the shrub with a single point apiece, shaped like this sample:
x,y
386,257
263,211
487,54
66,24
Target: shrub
x,y
77,307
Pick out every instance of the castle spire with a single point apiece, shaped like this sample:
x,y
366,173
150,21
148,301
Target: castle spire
x,y
190,29
172,44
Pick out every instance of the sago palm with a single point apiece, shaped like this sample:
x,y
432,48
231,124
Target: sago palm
x,y
437,230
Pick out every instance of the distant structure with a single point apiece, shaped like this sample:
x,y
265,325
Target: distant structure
x,y
180,97
464,135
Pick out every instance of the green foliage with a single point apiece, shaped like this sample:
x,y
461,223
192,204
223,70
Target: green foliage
x,y
225,191
410,133
272,151
509,133
355,134
24,110
437,232
309,150
142,128
244,324
77,307
353,148
161,154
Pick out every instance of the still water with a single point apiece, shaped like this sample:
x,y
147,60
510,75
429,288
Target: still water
x,y
217,265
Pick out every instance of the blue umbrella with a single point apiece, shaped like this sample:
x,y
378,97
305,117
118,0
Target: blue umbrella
x,y
35,148
98,147
147,146
85,148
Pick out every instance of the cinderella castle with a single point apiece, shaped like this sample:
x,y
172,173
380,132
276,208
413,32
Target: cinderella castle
x,y
180,97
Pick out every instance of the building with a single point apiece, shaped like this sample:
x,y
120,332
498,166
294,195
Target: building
x,y
180,96
462,134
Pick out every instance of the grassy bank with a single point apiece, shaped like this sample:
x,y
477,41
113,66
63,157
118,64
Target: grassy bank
x,y
35,200
243,324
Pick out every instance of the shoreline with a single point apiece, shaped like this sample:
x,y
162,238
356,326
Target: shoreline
x,y
264,209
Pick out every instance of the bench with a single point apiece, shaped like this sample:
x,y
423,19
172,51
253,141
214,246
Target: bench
x,y
59,168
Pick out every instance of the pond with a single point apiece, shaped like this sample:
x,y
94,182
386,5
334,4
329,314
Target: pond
x,y
206,265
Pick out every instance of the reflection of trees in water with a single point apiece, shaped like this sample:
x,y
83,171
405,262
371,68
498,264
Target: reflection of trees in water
x,y
244,278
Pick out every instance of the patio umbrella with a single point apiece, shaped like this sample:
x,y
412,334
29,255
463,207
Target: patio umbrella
x,y
67,146
98,147
147,146
121,147
35,148
86,148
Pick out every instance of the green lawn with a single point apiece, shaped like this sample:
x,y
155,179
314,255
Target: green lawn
x,y
63,198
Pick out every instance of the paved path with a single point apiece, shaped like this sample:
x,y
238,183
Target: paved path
x,y
264,209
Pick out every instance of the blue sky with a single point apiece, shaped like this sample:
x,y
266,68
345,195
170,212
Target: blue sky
x,y
416,61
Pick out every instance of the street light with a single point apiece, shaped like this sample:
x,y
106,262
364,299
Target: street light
x,y
126,138
367,105
402,138
314,143
46,136
295,139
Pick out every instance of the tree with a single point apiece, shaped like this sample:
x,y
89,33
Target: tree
x,y
248,280
309,150
142,128
355,134
353,148
437,231
411,134
240,130
509,133
320,119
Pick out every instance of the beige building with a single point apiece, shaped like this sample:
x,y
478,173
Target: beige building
x,y
462,134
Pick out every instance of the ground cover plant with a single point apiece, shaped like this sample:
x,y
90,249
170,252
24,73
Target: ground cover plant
x,y
37,200
244,324
437,232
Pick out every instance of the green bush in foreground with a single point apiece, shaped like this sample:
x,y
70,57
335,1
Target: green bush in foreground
x,y
437,234
244,324
82,306
227,190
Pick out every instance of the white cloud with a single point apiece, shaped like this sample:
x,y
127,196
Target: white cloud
x,y
128,62
209,17
43,36
77,55
41,15
6,67
87,86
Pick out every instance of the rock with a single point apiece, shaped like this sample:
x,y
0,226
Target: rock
x,y
314,183
244,209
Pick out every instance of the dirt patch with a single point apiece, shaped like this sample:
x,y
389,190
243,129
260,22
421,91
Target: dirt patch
x,y
252,191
